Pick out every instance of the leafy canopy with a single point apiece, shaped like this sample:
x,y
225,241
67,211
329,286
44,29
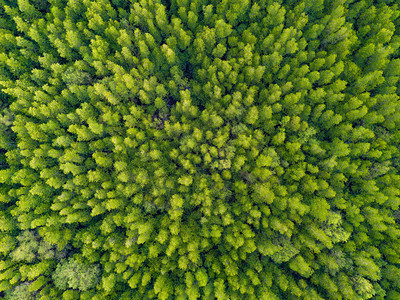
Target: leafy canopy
x,y
199,149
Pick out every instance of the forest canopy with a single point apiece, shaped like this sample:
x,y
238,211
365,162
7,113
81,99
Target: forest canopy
x,y
200,149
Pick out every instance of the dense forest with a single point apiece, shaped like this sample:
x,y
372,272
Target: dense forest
x,y
180,149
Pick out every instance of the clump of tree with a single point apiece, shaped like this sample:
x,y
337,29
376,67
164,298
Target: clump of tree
x,y
199,150
20,292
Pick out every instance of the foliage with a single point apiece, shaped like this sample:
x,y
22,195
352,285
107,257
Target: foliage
x,y
74,275
31,248
199,149
20,292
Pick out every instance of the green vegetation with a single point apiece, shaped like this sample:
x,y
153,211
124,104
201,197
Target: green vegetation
x,y
181,149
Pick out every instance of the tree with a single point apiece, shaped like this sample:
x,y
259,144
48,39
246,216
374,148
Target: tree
x,y
71,274
73,76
